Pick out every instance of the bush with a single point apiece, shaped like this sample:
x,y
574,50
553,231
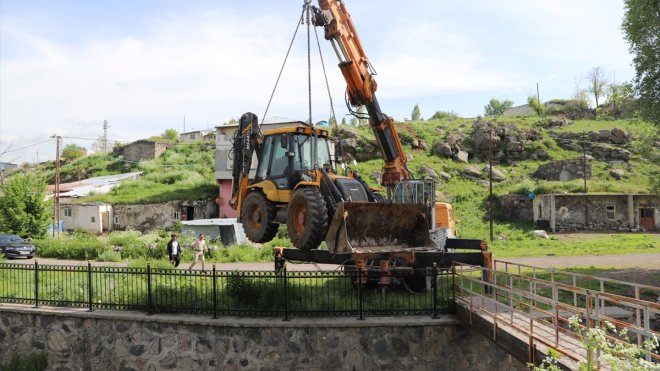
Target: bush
x,y
79,247
109,256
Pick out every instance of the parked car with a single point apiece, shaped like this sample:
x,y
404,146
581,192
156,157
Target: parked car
x,y
12,246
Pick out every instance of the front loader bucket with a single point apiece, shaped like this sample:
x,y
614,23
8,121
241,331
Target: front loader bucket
x,y
375,226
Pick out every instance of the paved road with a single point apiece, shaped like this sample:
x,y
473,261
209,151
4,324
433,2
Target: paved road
x,y
647,261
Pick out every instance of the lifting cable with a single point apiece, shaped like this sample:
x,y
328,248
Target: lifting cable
x,y
300,21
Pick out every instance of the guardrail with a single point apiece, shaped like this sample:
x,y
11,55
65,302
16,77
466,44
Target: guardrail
x,y
354,292
537,303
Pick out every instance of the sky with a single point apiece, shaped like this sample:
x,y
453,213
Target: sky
x,y
146,66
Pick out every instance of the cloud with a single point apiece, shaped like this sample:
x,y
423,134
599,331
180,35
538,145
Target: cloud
x,y
217,60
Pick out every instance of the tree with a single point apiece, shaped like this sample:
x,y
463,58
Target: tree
x,y
416,114
332,121
73,151
581,95
343,120
496,107
23,207
170,134
537,106
597,83
641,27
621,101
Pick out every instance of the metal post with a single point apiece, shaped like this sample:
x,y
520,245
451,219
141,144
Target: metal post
x,y
149,299
286,292
215,294
359,286
435,289
453,288
36,283
89,284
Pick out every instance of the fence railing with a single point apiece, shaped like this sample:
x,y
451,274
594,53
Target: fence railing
x,y
538,304
353,292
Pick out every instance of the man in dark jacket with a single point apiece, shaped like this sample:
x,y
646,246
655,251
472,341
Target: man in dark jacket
x,y
174,251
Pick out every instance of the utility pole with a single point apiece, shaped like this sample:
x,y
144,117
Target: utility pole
x,y
584,174
490,179
56,194
538,95
105,136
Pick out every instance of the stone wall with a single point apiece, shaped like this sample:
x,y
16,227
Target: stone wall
x,y
142,150
146,217
107,340
517,207
564,170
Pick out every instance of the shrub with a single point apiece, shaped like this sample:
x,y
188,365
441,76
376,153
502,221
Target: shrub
x,y
109,256
80,247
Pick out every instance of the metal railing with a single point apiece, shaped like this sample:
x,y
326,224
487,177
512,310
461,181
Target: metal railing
x,y
354,292
537,304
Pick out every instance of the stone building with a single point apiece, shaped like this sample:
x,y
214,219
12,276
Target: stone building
x,y
146,217
565,170
517,207
618,212
198,135
142,150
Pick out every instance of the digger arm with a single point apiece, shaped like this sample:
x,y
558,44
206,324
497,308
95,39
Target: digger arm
x,y
361,85
247,140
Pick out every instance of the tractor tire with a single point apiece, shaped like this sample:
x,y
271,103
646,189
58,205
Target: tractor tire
x,y
307,218
257,214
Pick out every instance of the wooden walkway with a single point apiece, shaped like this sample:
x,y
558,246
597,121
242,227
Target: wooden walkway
x,y
526,310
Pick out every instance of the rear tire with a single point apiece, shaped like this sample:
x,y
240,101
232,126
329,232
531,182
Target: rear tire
x,y
257,215
307,218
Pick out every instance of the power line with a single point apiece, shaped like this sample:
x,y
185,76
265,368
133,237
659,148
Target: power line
x,y
28,146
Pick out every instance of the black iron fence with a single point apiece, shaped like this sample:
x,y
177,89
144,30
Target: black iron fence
x,y
351,292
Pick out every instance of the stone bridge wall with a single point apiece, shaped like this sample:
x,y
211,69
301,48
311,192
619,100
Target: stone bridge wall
x,y
110,340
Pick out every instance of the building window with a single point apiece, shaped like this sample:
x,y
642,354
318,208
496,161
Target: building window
x,y
67,211
117,219
93,219
177,215
609,212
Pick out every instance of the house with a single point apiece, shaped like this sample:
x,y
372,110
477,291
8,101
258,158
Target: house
x,y
141,150
223,160
619,212
225,230
91,217
193,136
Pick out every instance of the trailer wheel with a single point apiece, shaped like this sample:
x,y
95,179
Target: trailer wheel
x,y
257,214
307,218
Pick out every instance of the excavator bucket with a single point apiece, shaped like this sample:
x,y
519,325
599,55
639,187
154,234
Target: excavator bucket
x,y
375,227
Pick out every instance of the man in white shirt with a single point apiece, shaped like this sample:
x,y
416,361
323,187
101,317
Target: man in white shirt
x,y
174,251
199,248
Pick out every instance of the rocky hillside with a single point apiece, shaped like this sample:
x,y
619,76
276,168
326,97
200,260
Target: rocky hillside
x,y
624,157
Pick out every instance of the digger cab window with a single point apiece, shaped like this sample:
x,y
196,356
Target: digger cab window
x,y
262,168
303,152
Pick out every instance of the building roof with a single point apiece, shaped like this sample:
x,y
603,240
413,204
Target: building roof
x,y
213,221
97,185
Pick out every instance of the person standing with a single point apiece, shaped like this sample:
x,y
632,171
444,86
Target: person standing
x,y
174,251
199,248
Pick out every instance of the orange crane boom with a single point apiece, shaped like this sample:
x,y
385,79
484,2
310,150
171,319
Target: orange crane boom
x,y
361,85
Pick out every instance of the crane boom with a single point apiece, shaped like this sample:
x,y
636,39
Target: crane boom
x,y
361,85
